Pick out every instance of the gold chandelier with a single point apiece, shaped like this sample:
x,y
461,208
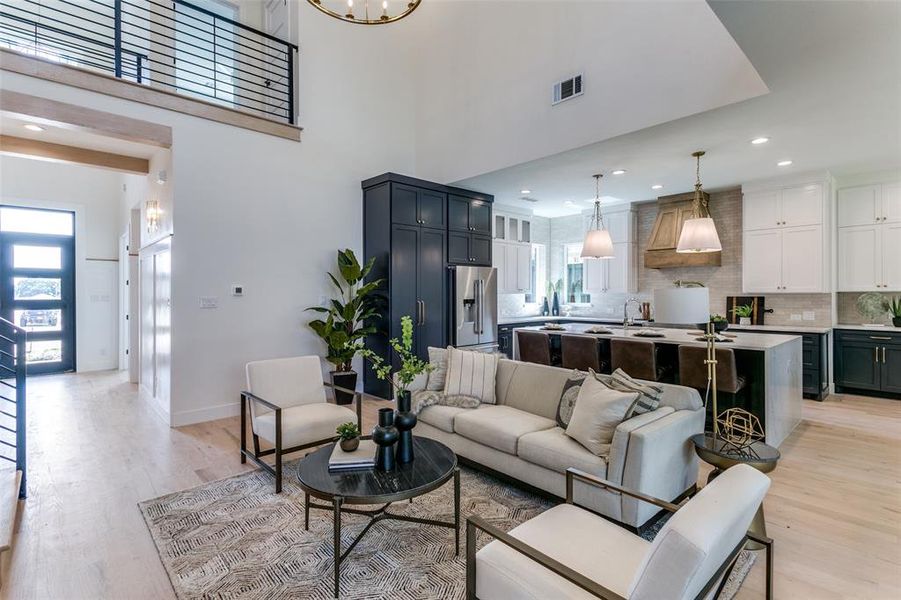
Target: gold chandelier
x,y
354,14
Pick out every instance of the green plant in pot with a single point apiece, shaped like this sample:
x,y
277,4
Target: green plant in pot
x,y
349,435
719,323
344,327
893,306
743,313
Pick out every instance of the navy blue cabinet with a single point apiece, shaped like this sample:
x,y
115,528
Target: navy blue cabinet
x,y
868,362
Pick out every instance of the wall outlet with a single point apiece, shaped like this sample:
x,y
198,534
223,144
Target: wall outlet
x,y
795,317
809,315
209,302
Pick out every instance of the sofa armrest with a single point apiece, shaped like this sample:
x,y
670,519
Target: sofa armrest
x,y
660,461
616,460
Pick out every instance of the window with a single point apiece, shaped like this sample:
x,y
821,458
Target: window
x,y
537,273
573,276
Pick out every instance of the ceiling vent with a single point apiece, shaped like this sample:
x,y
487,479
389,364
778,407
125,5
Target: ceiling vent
x,y
568,88
527,199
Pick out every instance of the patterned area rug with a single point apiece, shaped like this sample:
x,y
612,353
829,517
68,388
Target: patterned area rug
x,y
236,538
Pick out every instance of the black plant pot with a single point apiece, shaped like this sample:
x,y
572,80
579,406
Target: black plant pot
x,y
555,308
385,435
346,380
405,421
896,321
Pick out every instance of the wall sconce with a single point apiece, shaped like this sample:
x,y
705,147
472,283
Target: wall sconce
x,y
152,215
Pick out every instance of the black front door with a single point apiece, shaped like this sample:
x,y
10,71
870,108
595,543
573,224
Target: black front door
x,y
37,283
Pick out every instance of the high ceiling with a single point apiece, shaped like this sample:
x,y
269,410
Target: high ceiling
x,y
834,74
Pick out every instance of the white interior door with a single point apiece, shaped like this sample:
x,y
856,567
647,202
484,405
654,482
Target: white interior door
x,y
802,259
859,267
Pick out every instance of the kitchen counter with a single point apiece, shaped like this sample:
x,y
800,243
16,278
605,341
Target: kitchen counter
x,y
789,328
540,319
889,328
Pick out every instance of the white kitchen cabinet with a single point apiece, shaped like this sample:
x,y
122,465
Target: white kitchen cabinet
x,y
523,267
513,262
617,274
760,210
891,257
869,238
859,269
802,205
512,228
762,261
891,203
510,268
802,269
859,205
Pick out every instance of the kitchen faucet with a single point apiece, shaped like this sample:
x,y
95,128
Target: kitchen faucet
x,y
627,320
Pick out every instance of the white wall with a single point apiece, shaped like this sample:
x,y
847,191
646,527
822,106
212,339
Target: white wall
x,y
94,195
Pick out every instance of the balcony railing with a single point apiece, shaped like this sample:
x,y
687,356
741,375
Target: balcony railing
x,y
169,44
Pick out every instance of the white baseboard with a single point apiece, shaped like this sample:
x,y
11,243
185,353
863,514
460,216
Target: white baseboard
x,y
200,415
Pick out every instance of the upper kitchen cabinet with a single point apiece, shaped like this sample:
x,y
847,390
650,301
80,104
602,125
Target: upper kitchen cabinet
x,y
512,227
620,273
468,214
417,206
786,240
869,238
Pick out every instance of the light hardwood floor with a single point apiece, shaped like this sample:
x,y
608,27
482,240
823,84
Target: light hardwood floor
x,y
97,448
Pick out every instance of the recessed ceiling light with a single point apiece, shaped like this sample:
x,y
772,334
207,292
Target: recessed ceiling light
x,y
619,171
525,191
657,187
783,163
33,127
569,203
760,140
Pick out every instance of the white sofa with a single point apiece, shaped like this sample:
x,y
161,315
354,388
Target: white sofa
x,y
519,437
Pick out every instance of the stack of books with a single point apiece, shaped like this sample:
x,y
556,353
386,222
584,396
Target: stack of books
x,y
361,458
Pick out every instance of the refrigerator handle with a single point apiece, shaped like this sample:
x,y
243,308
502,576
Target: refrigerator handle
x,y
480,299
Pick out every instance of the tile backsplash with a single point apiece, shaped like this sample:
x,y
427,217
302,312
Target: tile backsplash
x,y
846,306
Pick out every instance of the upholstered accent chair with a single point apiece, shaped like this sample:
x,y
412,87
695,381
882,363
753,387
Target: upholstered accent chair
x,y
569,552
581,352
693,373
638,358
289,410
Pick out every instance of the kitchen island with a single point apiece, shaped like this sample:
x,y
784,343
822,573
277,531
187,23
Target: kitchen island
x,y
771,363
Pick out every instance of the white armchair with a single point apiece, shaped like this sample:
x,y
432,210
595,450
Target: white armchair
x,y
569,552
289,410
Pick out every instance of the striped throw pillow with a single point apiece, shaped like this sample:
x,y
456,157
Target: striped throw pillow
x,y
471,374
648,394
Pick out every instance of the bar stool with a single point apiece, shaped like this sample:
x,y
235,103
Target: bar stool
x,y
581,352
638,358
693,373
534,347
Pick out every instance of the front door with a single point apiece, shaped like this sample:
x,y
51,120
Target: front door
x,y
37,283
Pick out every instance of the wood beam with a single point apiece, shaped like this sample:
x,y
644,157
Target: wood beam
x,y
16,146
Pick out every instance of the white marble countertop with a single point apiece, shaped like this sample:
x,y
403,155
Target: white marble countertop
x,y
741,341
789,328
540,319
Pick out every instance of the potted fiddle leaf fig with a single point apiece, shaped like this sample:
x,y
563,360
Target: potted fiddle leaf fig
x,y
344,327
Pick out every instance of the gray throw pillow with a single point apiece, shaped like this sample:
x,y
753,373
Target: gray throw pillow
x,y
648,399
568,397
438,360
598,412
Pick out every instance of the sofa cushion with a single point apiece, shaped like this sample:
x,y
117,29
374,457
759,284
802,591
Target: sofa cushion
x,y
471,374
553,449
304,424
590,545
530,387
442,417
499,426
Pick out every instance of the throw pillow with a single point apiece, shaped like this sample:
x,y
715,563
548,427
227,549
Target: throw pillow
x,y
471,374
438,359
648,394
598,411
422,399
568,397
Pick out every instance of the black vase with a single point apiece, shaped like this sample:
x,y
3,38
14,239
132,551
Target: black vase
x,y
555,310
896,321
405,421
385,435
545,310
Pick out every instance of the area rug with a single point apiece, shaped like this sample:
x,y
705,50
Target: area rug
x,y
236,538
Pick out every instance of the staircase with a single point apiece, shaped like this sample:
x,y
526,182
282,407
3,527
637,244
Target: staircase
x,y
12,428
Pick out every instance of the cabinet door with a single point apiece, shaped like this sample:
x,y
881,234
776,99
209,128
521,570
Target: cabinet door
x,y
594,274
432,208
480,250
859,265
524,267
457,213
513,229
802,205
510,274
762,261
891,368
619,276
480,217
760,210
858,365
499,262
525,231
404,272
891,257
891,203
458,248
500,227
667,228
802,259
858,205
404,204
431,280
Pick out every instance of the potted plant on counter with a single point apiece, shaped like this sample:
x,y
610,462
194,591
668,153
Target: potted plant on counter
x,y
894,309
743,313
344,326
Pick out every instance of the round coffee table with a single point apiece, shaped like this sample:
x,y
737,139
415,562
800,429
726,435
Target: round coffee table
x,y
435,464
722,455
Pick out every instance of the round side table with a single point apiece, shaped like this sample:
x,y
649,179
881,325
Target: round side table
x,y
722,455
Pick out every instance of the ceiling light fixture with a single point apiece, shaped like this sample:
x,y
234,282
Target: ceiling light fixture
x,y
598,243
525,191
699,232
33,127
656,186
405,7
783,163
619,172
760,140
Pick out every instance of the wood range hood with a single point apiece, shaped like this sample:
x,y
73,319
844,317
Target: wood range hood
x,y
660,253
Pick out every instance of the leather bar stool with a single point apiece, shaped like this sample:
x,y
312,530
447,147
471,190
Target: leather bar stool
x,y
581,352
534,347
693,373
638,358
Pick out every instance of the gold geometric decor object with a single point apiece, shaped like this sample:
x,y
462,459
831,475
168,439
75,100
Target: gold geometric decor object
x,y
739,428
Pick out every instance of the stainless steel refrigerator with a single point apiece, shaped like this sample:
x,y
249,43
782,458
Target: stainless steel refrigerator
x,y
474,295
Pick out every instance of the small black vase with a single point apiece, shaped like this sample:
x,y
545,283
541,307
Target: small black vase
x,y
545,310
896,321
385,435
556,306
405,421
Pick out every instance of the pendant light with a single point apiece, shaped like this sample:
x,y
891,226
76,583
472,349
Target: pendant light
x,y
597,241
699,232
397,10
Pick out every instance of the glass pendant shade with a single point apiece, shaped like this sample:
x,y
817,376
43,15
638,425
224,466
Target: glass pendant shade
x,y
598,244
699,235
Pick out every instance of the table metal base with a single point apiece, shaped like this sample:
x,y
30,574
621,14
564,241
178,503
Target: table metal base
x,y
375,515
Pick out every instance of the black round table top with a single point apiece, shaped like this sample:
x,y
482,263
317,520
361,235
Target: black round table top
x,y
758,453
433,464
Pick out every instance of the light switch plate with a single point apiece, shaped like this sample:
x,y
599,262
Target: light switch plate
x,y
809,315
209,302
237,289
